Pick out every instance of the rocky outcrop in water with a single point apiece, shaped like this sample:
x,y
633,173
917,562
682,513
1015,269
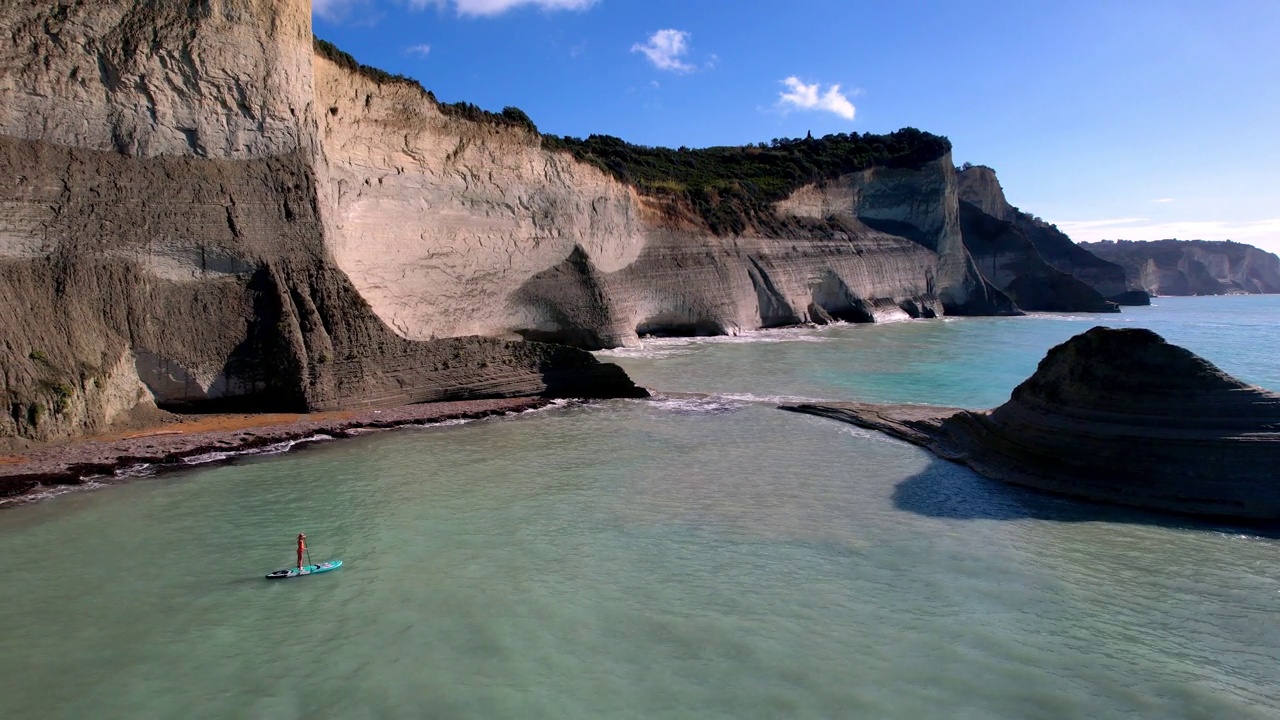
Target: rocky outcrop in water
x,y
1192,267
1036,240
1119,416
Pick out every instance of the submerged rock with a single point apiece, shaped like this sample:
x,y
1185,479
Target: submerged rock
x,y
1118,416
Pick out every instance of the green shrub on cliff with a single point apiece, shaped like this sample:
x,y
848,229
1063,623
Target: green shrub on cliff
x,y
512,116
330,52
731,188
734,187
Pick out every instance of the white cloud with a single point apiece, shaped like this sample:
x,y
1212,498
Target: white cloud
x,y
810,97
664,50
419,50
1163,200
1264,233
489,8
333,10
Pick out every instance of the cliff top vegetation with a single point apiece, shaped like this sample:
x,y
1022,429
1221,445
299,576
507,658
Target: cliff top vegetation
x,y
512,116
731,188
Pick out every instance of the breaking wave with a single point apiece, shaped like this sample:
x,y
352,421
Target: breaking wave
x,y
663,347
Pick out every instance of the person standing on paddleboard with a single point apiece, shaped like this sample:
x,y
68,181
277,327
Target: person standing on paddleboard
x,y
302,547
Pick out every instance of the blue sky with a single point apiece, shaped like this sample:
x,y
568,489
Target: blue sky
x,y
1136,119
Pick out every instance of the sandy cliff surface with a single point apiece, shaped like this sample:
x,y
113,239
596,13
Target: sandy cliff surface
x,y
1118,416
1193,267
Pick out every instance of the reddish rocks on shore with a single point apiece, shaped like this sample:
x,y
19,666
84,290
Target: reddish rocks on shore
x,y
169,445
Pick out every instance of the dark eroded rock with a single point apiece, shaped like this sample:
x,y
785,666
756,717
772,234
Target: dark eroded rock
x,y
1118,416
1131,298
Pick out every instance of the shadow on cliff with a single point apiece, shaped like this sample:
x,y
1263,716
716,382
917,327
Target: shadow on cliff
x,y
951,491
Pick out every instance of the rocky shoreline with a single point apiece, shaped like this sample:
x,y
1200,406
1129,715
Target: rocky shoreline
x,y
1114,416
26,476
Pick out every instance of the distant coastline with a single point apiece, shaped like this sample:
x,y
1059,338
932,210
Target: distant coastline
x,y
1164,268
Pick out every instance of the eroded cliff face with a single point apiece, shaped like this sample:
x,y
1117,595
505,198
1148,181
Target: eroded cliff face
x,y
1005,255
218,78
1193,267
1039,244
432,212
162,233
439,221
196,210
922,205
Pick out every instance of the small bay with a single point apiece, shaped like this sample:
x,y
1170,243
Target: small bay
x,y
701,554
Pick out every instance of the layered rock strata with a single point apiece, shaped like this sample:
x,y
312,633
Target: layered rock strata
x,y
978,186
198,210
1118,416
430,210
1192,267
163,231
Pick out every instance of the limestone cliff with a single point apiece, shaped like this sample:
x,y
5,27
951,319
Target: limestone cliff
x,y
978,186
198,209
430,211
1193,267
162,230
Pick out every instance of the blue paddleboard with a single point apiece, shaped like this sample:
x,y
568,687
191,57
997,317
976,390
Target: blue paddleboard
x,y
305,570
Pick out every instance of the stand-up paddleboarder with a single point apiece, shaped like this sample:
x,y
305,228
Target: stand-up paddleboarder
x,y
302,547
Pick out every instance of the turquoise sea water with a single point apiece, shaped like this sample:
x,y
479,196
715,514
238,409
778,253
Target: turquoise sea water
x,y
698,556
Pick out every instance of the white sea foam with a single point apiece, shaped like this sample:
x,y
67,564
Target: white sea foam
x,y
719,402
1063,317
273,449
134,471
860,433
694,404
664,347
648,350
774,399
48,492
891,318
452,422
871,435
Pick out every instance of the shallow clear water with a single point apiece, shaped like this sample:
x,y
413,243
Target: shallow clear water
x,y
964,362
702,557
